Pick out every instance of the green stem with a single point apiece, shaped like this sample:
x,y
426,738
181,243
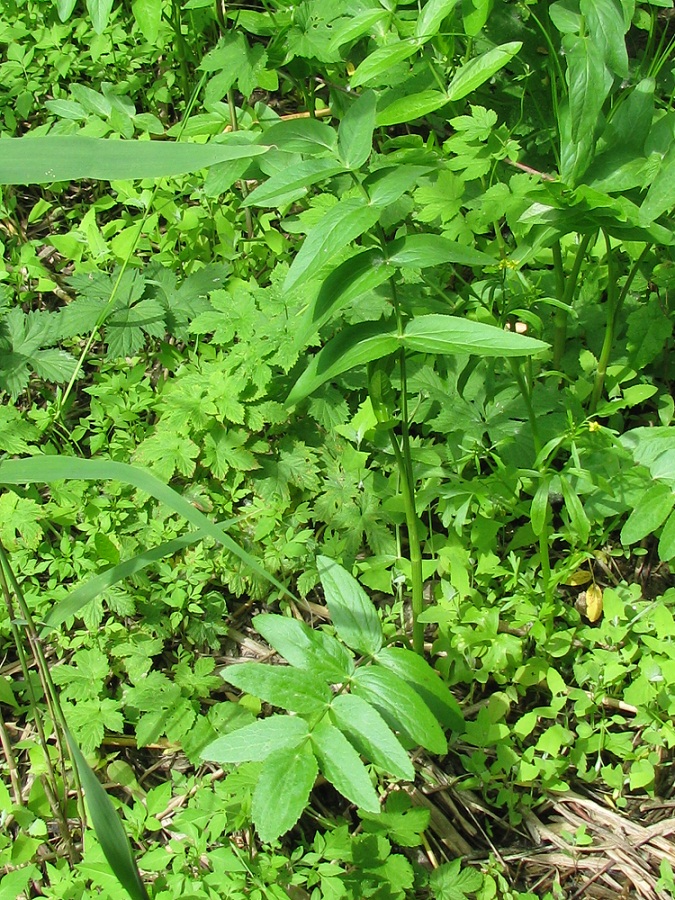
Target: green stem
x,y
565,290
526,393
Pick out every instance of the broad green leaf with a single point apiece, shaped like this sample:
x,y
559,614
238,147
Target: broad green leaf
x,y
401,706
381,60
450,334
433,13
418,251
293,182
341,765
355,132
352,611
77,599
109,831
320,654
479,70
539,506
371,735
352,347
46,158
667,540
630,123
342,224
386,186
651,511
148,15
99,10
661,195
417,672
589,83
255,742
66,109
307,136
353,278
281,794
578,518
475,15
353,27
414,106
65,8
604,22
45,469
284,686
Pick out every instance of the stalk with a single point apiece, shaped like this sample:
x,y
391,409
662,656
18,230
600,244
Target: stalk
x,y
565,291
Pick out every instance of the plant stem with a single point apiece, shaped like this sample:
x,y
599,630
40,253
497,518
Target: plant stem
x,y
565,290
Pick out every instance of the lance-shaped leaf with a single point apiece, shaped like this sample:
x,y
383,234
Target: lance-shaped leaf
x,y
589,83
46,158
661,195
342,766
477,71
419,251
450,334
342,224
109,831
401,706
351,279
413,106
417,672
433,13
371,735
352,347
255,742
320,654
355,133
283,789
289,688
293,182
382,59
352,612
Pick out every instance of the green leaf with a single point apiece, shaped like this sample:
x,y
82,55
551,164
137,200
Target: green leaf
x,y
371,735
419,251
283,789
307,136
433,13
576,512
350,280
352,347
386,186
355,132
255,742
352,612
604,22
539,506
342,224
292,183
353,27
451,882
381,60
589,83
414,106
109,831
477,71
47,158
99,10
667,540
341,765
289,688
45,469
450,334
661,195
417,672
651,511
148,15
400,705
65,8
320,654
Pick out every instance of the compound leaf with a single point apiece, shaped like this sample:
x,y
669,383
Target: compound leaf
x,y
283,789
371,735
342,766
256,741
352,612
282,686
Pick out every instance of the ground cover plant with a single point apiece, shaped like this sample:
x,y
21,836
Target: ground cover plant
x,y
337,516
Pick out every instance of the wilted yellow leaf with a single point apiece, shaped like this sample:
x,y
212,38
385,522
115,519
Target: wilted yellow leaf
x,y
581,576
593,603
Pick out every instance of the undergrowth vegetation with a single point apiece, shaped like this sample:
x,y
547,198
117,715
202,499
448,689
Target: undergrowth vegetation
x,y
337,449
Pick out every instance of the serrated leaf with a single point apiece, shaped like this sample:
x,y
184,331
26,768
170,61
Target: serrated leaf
x,y
417,672
291,689
281,794
342,224
450,334
400,705
341,765
320,654
352,347
355,132
352,612
256,741
371,735
651,511
477,71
